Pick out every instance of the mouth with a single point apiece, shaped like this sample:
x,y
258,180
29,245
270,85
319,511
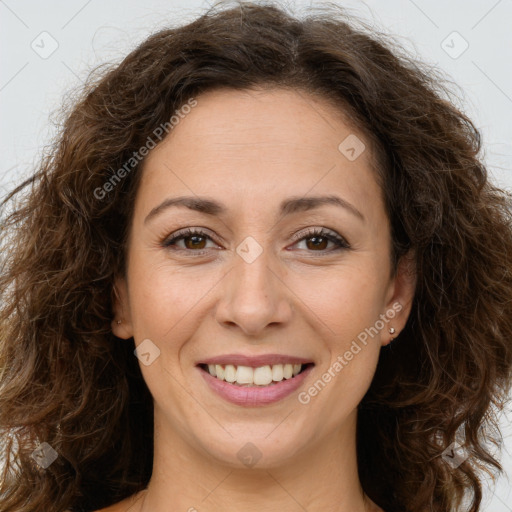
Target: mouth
x,y
251,380
256,377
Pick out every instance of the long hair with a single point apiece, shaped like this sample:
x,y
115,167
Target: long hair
x,y
69,388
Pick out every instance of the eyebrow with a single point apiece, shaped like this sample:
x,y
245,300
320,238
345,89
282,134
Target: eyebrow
x,y
289,206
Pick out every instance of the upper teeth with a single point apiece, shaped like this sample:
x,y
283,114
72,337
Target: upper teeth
x,y
261,376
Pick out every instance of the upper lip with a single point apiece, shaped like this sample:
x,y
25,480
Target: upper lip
x,y
254,361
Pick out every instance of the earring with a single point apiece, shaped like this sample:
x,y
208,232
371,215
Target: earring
x,y
118,322
391,330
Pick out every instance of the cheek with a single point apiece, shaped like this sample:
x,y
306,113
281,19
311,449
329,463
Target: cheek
x,y
344,301
347,306
336,394
168,304
352,345
163,297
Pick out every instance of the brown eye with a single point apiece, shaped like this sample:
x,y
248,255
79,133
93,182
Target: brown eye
x,y
193,240
318,240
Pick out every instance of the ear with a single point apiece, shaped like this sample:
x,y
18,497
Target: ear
x,y
400,297
121,323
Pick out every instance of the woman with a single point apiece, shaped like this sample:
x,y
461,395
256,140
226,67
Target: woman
x,y
263,268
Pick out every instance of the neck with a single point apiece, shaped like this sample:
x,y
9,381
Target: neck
x,y
322,477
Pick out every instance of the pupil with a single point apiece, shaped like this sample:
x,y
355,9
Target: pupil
x,y
317,238
195,240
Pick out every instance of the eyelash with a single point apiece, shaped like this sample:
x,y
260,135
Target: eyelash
x,y
315,232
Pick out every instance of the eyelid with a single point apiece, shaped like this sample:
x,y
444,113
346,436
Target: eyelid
x,y
316,231
188,232
331,235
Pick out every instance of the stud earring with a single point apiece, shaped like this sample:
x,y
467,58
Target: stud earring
x,y
118,322
391,330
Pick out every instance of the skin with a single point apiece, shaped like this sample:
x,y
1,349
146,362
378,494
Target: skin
x,y
250,150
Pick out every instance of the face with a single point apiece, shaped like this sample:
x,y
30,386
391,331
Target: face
x,y
262,274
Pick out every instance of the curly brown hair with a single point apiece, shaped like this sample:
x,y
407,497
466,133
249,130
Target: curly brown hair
x,y
66,380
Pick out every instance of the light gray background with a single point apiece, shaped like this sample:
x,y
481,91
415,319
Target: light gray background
x,y
33,83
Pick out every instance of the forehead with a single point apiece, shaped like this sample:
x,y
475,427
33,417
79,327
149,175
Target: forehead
x,y
258,144
264,119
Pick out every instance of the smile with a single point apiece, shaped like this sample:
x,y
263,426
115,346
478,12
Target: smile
x,y
266,375
254,386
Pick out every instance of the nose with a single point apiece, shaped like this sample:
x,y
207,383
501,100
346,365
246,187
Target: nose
x,y
254,297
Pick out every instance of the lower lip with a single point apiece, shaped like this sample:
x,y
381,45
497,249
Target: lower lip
x,y
253,396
